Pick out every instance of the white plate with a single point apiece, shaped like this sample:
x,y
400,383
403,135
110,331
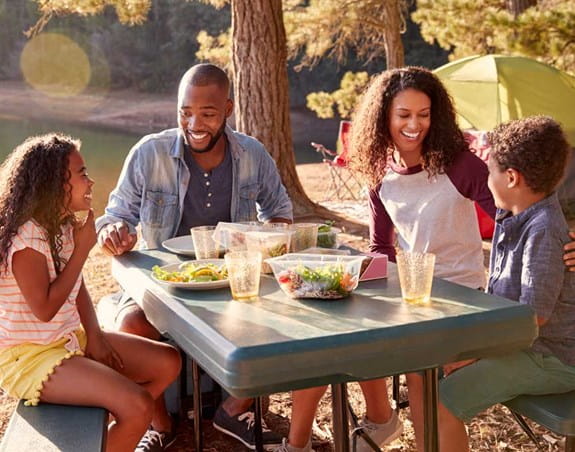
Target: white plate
x,y
180,245
208,285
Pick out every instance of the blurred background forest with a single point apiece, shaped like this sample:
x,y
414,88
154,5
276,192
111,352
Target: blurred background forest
x,y
152,56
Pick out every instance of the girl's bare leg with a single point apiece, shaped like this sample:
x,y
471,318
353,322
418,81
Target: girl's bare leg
x,y
82,381
304,407
152,364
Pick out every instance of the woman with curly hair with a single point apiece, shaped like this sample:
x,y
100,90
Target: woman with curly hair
x,y
51,346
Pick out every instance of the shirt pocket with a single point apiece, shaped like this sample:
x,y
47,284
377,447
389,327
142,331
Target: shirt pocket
x,y
248,197
159,208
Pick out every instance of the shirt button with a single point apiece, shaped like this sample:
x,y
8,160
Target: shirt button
x,y
206,174
209,195
208,205
208,183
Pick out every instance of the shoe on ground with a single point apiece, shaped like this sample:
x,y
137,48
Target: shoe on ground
x,y
154,441
381,434
242,428
285,447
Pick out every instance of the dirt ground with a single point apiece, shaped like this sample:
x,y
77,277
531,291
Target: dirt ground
x,y
493,430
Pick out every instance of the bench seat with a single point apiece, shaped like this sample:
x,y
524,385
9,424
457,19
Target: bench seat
x,y
50,428
556,412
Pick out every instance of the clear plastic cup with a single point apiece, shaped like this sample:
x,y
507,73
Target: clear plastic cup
x,y
305,236
244,274
415,276
204,245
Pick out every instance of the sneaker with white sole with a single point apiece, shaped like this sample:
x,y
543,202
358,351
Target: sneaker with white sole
x,y
154,441
242,428
285,447
381,434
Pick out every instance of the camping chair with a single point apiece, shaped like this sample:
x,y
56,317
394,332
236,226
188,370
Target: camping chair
x,y
478,144
344,184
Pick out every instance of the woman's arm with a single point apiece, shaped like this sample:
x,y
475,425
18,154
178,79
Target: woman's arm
x,y
381,231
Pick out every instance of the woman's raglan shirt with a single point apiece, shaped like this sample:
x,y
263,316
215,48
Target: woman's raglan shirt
x,y
434,214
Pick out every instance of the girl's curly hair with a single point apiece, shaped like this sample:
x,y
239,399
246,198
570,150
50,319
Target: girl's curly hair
x,y
371,141
34,184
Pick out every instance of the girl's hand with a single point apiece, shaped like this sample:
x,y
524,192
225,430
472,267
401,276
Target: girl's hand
x,y
569,256
452,367
99,349
85,236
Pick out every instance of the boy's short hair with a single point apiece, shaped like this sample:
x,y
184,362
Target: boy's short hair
x,y
535,146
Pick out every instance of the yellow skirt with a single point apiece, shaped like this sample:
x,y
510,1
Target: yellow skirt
x,y
25,367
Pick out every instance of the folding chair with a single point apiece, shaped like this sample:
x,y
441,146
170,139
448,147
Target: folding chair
x,y
344,184
478,144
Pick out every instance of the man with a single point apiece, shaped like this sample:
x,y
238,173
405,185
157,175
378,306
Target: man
x,y
198,174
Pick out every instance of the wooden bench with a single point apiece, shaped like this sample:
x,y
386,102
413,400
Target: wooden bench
x,y
556,412
51,428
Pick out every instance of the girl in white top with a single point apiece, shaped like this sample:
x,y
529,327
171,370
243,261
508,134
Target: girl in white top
x,y
51,346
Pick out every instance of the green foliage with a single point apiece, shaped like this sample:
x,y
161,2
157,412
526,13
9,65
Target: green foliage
x,y
352,85
545,32
216,49
331,28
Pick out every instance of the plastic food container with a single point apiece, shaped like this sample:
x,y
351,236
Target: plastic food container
x,y
327,236
316,275
269,243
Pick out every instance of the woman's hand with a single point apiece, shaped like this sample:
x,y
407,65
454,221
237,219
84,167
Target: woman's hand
x,y
99,349
452,367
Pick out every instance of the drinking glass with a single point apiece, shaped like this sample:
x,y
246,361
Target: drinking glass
x,y
244,274
204,245
415,276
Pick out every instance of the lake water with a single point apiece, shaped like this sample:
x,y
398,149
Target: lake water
x,y
103,150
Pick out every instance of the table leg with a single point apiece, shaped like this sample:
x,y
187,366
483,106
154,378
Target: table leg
x,y
340,422
197,407
258,427
431,437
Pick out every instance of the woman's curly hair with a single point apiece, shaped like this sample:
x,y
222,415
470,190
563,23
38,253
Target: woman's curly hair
x,y
535,146
34,184
371,141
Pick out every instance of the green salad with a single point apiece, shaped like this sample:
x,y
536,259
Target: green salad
x,y
329,281
192,272
326,237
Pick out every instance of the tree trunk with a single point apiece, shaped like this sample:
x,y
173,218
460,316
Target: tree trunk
x,y
394,56
261,88
516,7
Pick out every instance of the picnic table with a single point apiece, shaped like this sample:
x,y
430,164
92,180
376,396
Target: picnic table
x,y
278,344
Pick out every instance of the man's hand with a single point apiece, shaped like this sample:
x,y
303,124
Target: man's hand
x,y
115,239
569,256
452,367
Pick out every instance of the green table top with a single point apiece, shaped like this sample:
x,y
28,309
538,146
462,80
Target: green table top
x,y
277,343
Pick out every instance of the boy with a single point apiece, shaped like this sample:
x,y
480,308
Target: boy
x,y
526,163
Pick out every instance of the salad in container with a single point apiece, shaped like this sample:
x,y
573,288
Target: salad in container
x,y
327,235
270,243
320,276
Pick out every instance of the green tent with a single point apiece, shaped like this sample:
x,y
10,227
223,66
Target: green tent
x,y
492,89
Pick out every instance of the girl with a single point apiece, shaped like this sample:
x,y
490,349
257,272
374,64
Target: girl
x,y
51,346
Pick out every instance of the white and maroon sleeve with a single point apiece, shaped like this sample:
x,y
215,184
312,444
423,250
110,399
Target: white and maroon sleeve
x,y
381,232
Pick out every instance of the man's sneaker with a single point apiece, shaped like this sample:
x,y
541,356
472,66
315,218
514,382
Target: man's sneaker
x,y
242,428
381,434
154,441
285,447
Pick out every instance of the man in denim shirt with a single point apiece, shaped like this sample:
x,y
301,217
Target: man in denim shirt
x,y
198,174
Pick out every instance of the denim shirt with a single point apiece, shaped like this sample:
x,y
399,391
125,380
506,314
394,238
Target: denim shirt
x,y
527,266
154,180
